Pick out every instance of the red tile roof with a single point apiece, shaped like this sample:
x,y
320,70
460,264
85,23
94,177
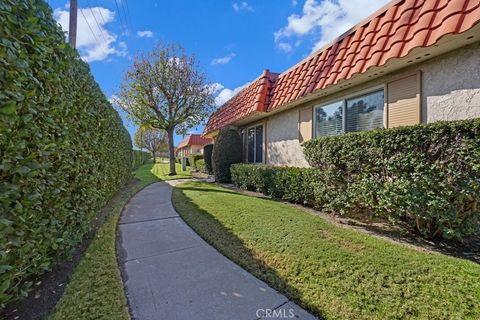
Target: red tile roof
x,y
254,98
194,140
391,32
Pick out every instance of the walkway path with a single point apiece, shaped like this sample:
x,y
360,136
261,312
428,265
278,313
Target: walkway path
x,y
171,273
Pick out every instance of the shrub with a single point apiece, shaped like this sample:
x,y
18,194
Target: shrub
x,y
426,175
200,165
288,183
139,158
227,150
207,154
63,149
193,160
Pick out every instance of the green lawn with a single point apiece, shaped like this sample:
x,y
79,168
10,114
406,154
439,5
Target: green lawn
x,y
334,272
161,170
96,288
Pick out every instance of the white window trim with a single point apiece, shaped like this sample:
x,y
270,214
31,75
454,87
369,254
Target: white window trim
x,y
262,124
344,106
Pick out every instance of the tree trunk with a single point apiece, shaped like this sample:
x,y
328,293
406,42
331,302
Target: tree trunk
x,y
171,149
153,156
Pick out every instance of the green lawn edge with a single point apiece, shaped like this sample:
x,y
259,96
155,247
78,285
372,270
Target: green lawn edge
x,y
95,290
334,272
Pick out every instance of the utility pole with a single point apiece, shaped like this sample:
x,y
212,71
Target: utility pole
x,y
72,27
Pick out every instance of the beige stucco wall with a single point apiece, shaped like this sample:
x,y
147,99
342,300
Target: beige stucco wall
x,y
451,86
450,91
283,147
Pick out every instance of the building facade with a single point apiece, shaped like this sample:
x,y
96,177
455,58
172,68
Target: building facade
x,y
191,145
410,62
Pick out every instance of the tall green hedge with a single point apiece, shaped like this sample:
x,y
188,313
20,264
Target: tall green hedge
x,y
63,148
227,150
427,176
192,160
139,158
207,153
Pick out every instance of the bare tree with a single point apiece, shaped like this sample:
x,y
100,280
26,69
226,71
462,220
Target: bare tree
x,y
165,90
151,139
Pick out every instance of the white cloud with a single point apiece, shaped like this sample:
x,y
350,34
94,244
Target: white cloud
x,y
216,87
285,47
225,94
145,34
326,20
242,6
223,60
98,43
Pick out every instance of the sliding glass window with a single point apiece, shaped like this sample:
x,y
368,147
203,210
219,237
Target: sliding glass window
x,y
365,112
255,144
329,119
361,113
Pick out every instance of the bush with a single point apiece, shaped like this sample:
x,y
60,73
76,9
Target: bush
x,y
227,150
207,154
288,183
139,158
192,160
200,165
63,149
426,175
179,160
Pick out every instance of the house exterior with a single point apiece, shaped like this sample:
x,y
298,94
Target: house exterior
x,y
193,144
411,62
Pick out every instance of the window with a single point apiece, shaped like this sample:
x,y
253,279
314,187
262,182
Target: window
x,y
360,113
255,144
329,119
365,112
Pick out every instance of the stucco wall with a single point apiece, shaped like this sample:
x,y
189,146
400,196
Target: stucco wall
x,y
283,147
451,86
450,91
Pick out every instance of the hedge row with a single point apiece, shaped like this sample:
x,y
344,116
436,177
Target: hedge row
x,y
200,166
139,158
426,175
64,151
192,160
287,183
207,154
227,151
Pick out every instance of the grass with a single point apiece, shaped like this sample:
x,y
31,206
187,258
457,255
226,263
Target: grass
x,y
334,272
161,170
96,288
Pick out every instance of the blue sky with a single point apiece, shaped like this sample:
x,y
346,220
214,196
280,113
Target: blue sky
x,y
234,41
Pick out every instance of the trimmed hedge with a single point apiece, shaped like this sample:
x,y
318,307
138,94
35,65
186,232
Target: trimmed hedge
x,y
227,150
179,161
288,183
139,158
426,175
207,154
64,151
200,165
192,160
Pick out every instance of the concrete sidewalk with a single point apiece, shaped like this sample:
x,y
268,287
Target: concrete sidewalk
x,y
171,273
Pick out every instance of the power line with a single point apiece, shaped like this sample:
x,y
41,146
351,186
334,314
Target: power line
x,y
125,14
88,24
128,14
120,15
96,21
100,11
